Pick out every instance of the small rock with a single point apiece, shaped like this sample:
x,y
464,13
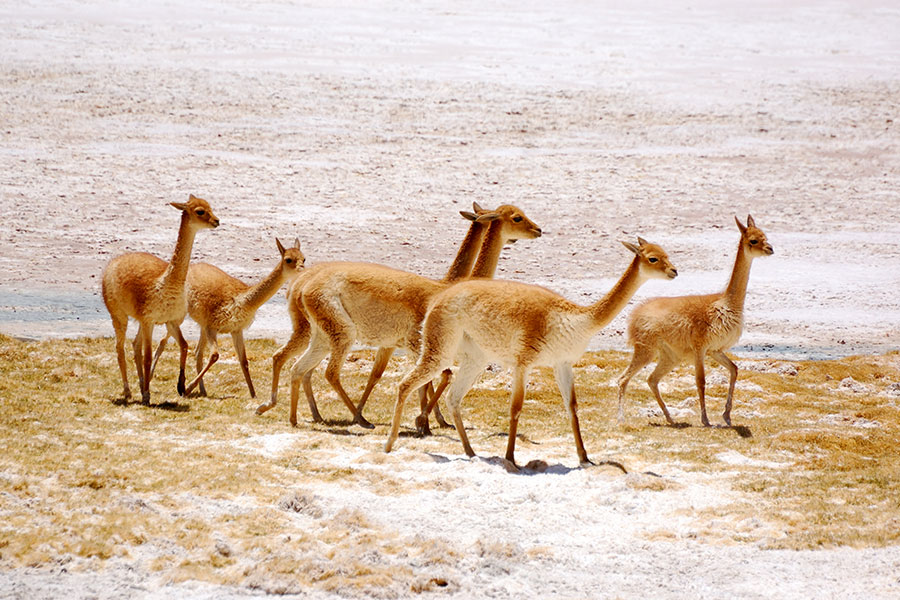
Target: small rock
x,y
223,549
787,369
851,385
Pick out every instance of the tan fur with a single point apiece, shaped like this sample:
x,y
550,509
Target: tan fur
x,y
220,303
151,291
520,326
375,305
682,328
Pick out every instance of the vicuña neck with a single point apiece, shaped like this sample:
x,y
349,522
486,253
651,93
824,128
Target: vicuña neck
x,y
740,275
489,257
604,310
257,295
177,270
468,251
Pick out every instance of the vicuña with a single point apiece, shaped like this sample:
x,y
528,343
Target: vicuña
x,y
674,330
522,327
152,291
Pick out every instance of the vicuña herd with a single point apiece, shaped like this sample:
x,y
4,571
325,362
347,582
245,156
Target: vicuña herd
x,y
465,318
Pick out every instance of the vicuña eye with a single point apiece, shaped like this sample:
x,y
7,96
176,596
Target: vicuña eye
x,y
201,212
517,219
289,260
653,260
754,242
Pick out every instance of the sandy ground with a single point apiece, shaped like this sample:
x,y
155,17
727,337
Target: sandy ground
x,y
362,129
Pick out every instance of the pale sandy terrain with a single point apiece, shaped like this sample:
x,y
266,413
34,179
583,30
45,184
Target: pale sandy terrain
x,y
363,128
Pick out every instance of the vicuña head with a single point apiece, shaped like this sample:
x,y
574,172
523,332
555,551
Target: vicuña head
x,y
516,226
197,213
292,259
654,262
753,239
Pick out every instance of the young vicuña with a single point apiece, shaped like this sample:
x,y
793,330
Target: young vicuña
x,y
220,303
673,330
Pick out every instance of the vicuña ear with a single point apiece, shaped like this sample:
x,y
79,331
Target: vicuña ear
x,y
468,215
632,247
280,247
740,226
488,217
641,241
750,221
179,205
192,197
297,243
477,207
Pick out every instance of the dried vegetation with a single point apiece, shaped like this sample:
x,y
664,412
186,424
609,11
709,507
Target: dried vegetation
x,y
200,488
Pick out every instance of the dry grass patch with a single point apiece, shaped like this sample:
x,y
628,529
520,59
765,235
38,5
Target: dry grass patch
x,y
201,488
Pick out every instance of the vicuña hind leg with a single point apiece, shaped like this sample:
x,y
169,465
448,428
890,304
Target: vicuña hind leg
x,y
302,370
382,356
424,370
469,371
198,357
137,349
641,358
238,338
174,330
212,339
156,355
433,395
333,323
667,362
565,379
446,376
726,362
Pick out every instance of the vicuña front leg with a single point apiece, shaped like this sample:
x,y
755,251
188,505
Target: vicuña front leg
x,y
700,378
120,327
